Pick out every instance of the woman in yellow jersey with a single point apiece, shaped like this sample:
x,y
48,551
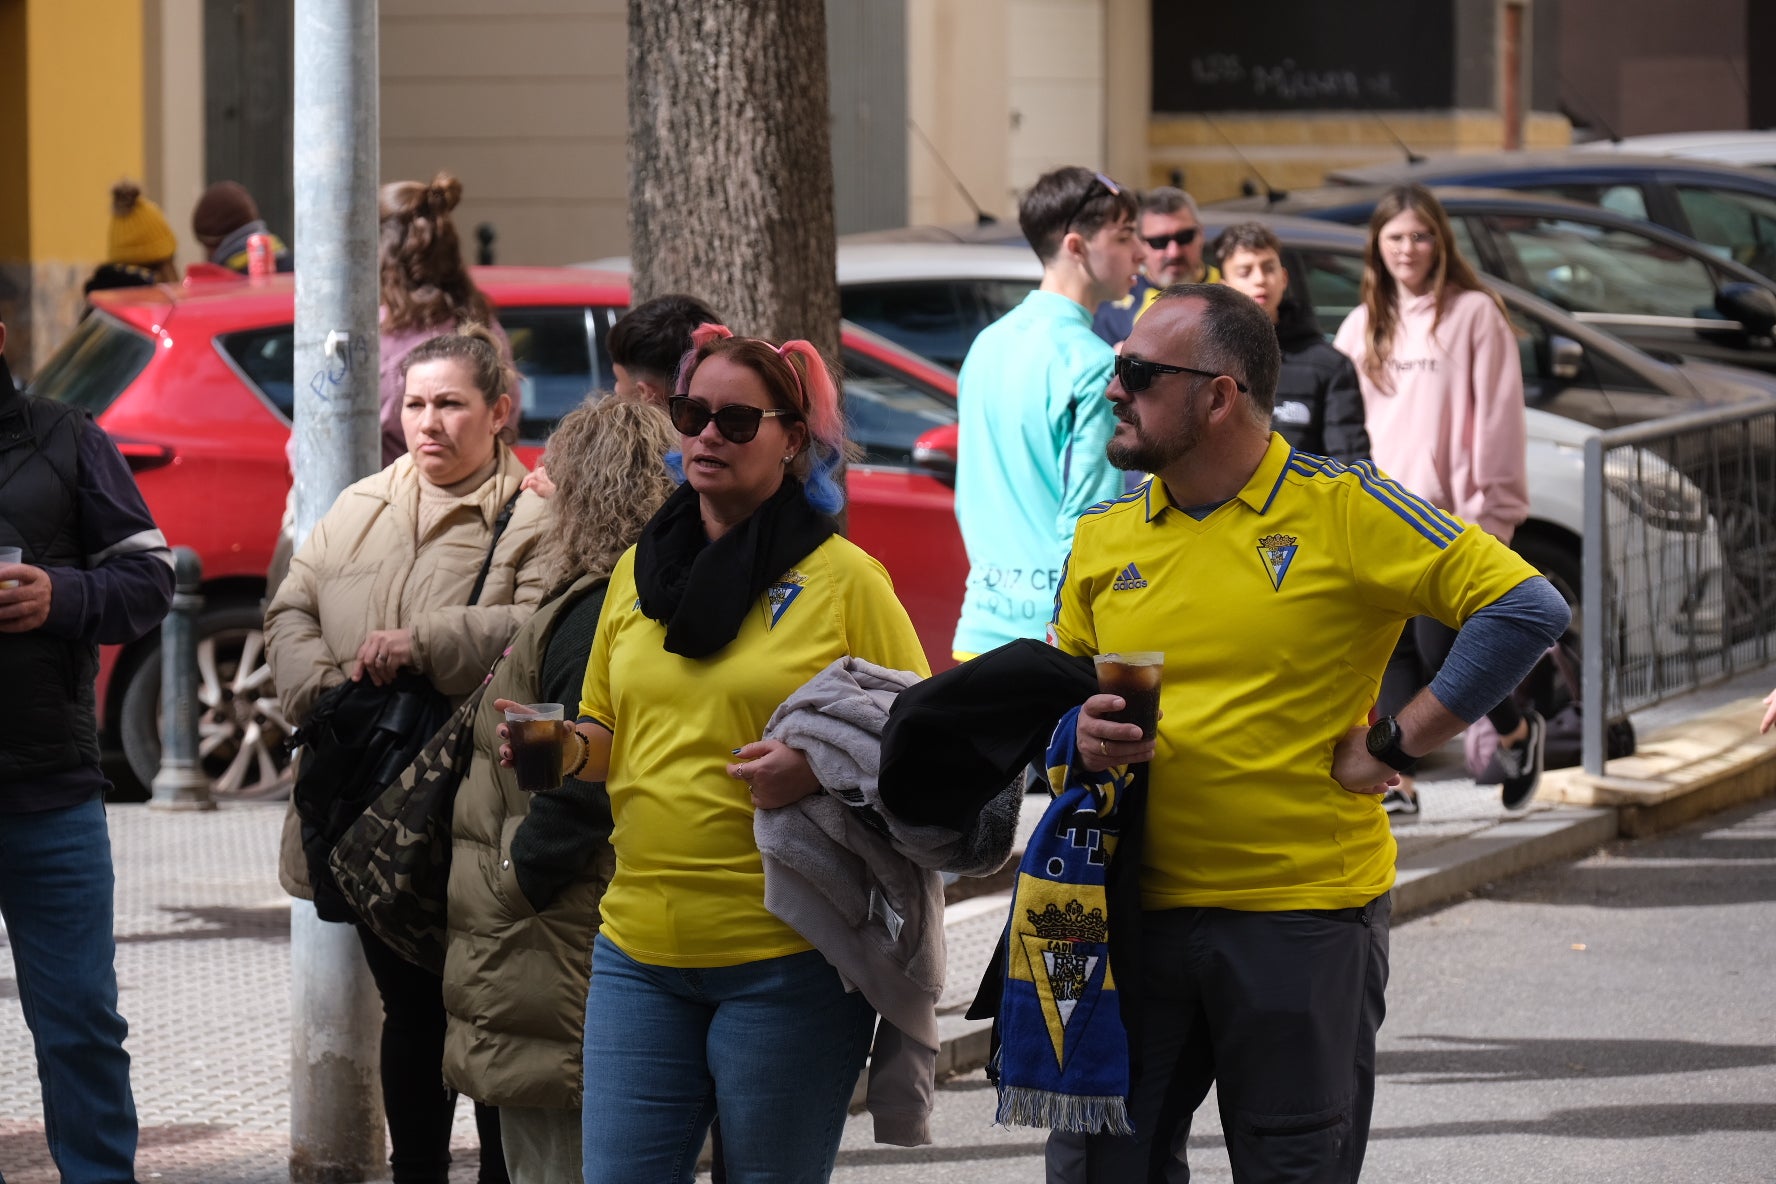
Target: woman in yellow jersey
x,y
738,592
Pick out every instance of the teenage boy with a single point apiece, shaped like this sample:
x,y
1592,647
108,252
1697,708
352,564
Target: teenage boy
x,y
1033,418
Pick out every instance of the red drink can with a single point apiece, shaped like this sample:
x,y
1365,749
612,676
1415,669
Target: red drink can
x,y
259,256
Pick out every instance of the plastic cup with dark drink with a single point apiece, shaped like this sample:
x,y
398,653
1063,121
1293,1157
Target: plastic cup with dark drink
x,y
538,743
1135,677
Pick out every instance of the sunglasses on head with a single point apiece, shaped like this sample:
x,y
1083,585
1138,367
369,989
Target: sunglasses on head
x,y
736,422
1137,374
1183,238
1090,192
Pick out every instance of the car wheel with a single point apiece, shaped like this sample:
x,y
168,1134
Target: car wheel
x,y
240,728
1560,562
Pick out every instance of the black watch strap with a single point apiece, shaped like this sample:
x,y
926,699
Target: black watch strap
x,y
1384,743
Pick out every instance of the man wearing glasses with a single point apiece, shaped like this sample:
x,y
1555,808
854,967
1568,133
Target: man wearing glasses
x,y
1276,584
1173,235
1033,422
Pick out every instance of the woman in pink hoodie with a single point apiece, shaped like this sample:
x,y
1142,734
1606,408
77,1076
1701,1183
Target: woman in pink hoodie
x,y
1443,402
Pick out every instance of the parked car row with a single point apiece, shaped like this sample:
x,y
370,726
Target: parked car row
x,y
1650,286
1732,210
197,386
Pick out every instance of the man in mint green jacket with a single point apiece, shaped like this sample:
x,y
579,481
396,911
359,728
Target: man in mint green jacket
x,y
1033,418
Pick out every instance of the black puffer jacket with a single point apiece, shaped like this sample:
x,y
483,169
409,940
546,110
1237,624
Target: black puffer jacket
x,y
1319,407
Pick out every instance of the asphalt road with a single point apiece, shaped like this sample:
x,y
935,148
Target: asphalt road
x,y
1611,1021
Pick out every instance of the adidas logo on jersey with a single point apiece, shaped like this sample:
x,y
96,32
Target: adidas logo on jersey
x,y
1128,580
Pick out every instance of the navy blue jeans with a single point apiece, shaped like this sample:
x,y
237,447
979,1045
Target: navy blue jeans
x,y
55,894
776,1044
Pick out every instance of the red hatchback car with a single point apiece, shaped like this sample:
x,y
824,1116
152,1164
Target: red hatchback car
x,y
195,383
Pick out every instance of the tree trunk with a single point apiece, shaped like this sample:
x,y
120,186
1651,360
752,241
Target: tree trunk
x,y
730,162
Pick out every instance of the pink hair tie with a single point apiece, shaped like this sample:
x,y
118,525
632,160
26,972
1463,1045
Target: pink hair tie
x,y
701,336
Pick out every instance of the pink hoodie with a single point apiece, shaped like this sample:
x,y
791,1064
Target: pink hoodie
x,y
1449,425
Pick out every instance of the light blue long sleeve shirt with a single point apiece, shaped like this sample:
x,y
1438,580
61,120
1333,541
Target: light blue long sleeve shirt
x,y
1033,425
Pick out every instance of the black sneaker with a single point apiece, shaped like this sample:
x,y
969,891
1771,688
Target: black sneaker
x,y
1400,801
1522,765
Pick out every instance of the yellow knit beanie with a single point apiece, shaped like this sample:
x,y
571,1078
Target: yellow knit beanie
x,y
139,231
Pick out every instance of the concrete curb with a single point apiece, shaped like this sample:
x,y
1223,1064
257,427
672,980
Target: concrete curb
x,y
1449,870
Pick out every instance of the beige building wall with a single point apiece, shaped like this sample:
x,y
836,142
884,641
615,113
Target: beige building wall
x,y
1056,88
173,114
1008,89
526,103
1128,87
957,82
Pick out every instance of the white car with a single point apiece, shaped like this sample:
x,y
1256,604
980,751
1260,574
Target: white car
x,y
1751,149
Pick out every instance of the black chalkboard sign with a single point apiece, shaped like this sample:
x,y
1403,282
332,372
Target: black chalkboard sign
x,y
1303,55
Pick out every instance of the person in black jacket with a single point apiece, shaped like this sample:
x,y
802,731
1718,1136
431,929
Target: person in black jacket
x,y
1319,407
83,566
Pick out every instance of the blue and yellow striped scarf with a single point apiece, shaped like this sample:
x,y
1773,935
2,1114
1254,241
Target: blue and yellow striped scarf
x,y
1063,1055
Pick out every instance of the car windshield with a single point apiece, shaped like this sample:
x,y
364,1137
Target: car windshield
x,y
1585,267
552,345
926,316
95,365
886,412
1741,226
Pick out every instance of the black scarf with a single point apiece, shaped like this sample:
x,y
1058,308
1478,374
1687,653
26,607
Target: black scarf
x,y
701,591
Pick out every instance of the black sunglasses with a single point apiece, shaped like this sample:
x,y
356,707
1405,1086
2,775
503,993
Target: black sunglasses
x,y
1137,374
1183,238
1090,192
736,422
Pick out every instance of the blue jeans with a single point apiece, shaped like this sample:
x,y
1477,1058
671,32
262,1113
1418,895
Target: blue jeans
x,y
55,894
775,1046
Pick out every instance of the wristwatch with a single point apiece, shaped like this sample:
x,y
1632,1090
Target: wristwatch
x,y
1383,742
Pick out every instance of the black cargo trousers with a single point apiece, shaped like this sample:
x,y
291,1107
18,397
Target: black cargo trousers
x,y
1279,1010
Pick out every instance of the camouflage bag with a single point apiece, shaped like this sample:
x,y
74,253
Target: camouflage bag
x,y
393,864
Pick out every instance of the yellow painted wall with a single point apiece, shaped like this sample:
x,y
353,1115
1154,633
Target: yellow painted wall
x,y
83,119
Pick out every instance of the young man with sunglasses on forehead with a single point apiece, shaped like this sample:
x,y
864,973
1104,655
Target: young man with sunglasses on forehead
x,y
1172,232
1032,418
1276,584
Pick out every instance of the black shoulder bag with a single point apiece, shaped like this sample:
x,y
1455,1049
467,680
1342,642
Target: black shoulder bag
x,y
355,743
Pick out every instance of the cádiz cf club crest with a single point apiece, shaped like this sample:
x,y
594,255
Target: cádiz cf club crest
x,y
1065,956
1278,552
782,594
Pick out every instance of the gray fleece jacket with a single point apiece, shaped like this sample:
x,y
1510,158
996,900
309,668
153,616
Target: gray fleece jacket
x,y
864,888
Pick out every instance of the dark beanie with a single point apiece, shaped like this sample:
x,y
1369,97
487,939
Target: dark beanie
x,y
224,208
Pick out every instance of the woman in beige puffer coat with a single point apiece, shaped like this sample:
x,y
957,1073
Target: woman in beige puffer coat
x,y
383,584
527,871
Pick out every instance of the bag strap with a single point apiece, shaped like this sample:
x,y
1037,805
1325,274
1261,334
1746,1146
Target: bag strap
x,y
499,527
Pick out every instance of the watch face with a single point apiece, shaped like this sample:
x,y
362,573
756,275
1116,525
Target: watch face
x,y
1382,736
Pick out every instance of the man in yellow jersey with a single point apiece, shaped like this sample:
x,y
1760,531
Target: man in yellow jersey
x,y
1276,584
1172,230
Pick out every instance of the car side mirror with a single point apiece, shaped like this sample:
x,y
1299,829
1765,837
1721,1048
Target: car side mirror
x,y
935,452
1566,358
1754,307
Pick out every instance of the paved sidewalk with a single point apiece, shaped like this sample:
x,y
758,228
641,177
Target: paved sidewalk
x,y
203,963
